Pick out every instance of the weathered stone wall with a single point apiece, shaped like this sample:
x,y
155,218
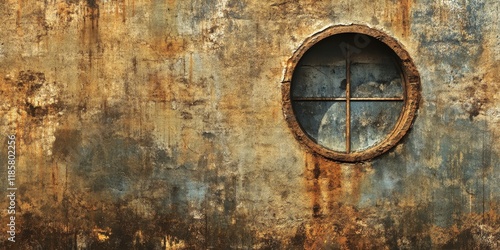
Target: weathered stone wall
x,y
159,124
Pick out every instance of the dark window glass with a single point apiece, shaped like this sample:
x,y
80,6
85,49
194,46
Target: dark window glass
x,y
347,97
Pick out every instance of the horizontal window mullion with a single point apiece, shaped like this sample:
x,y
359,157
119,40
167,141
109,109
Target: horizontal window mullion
x,y
319,99
377,99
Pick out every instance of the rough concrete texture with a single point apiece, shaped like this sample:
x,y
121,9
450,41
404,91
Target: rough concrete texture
x,y
159,125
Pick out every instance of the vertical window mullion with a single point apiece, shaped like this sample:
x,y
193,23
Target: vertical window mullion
x,y
348,102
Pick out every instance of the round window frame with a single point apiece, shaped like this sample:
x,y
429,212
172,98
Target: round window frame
x,y
411,89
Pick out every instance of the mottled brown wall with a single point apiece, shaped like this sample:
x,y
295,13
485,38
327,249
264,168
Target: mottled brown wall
x,y
158,124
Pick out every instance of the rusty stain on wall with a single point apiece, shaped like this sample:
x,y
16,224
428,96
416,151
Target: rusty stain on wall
x,y
158,125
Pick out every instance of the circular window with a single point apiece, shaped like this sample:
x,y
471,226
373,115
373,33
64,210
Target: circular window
x,y
350,93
